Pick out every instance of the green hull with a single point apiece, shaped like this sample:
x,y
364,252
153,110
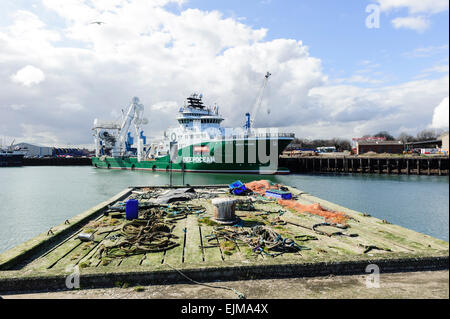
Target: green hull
x,y
237,156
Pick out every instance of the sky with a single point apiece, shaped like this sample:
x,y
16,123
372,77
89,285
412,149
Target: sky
x,y
339,68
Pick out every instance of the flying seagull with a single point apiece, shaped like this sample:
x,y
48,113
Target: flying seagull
x,y
98,22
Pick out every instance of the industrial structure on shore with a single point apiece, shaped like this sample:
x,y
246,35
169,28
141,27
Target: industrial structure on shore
x,y
31,150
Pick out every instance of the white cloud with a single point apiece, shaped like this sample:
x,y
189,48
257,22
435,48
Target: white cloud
x,y
440,116
72,107
28,76
419,12
415,6
418,23
425,52
17,107
438,69
355,111
359,79
433,71
145,50
38,134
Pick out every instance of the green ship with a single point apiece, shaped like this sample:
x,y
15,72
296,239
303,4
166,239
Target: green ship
x,y
198,144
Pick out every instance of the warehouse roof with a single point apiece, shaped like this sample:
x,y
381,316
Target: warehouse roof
x,y
380,143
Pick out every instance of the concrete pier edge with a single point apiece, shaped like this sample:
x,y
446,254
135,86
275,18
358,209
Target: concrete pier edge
x,y
228,273
45,241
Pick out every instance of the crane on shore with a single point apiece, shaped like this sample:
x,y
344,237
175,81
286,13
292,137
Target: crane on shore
x,y
252,116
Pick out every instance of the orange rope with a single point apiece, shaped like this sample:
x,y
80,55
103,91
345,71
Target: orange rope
x,y
315,209
260,187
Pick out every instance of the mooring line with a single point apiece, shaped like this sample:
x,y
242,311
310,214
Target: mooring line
x,y
239,294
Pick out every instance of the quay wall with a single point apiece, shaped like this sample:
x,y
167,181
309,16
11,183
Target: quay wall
x,y
57,161
367,165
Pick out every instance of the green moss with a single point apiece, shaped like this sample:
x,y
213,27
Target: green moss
x,y
227,247
342,250
139,289
207,221
399,239
84,265
105,261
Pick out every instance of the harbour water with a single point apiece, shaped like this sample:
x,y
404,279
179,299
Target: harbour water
x,y
33,199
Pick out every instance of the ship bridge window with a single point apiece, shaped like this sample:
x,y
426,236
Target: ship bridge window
x,y
215,121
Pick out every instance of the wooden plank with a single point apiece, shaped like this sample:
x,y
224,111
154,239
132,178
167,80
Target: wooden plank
x,y
212,254
77,254
57,254
90,258
152,259
134,260
174,256
193,252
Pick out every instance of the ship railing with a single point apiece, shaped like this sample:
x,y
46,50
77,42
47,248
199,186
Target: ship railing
x,y
259,135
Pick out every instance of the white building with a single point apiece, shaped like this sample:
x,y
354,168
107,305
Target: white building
x,y
31,150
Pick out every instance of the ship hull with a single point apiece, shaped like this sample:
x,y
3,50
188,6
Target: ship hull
x,y
11,160
236,156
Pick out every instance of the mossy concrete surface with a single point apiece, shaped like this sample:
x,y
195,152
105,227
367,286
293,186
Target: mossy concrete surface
x,y
20,253
409,285
46,261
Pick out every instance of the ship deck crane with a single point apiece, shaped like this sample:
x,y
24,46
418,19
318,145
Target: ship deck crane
x,y
134,115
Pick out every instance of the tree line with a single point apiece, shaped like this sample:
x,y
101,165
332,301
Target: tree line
x,y
346,145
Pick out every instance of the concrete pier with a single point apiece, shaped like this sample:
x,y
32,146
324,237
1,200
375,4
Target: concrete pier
x,y
46,260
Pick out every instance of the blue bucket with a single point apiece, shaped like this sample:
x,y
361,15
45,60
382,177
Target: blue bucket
x,y
131,209
237,188
236,184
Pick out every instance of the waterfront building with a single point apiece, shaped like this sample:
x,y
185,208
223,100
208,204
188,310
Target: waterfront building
x,y
379,146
